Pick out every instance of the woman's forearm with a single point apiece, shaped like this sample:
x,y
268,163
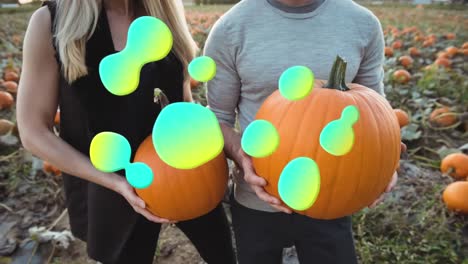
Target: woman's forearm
x,y
46,145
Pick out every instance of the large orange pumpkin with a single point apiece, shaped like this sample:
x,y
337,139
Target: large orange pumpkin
x,y
181,194
348,183
178,194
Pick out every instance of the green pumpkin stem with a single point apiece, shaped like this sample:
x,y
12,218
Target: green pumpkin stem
x,y
337,75
160,97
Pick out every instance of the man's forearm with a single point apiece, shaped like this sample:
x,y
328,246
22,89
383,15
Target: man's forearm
x,y
232,143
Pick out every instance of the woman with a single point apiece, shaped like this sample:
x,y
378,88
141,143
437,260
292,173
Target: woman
x,y
64,43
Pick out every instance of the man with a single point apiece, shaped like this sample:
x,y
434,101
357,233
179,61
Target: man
x,y
252,45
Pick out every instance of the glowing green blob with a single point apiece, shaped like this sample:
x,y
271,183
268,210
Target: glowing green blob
x,y
202,69
187,135
299,183
149,39
296,83
337,138
260,139
109,152
139,175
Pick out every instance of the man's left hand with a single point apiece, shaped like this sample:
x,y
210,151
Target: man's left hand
x,y
392,182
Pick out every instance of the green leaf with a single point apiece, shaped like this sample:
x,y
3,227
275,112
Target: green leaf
x,y
444,151
410,132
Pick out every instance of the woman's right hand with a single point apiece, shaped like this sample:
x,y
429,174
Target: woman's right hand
x,y
127,191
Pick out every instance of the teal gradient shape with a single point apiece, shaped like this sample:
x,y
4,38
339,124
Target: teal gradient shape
x,y
337,137
260,139
299,183
202,69
149,39
109,152
296,83
187,135
139,175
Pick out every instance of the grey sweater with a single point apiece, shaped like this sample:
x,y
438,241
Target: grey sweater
x,y
255,41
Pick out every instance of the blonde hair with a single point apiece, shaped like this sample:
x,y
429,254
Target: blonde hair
x,y
77,19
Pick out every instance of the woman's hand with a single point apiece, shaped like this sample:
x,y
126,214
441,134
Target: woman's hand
x,y
127,191
257,183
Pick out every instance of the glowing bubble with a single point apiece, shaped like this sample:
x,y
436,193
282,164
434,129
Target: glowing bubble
x,y
149,39
109,152
299,183
187,135
296,83
260,139
139,175
202,69
337,138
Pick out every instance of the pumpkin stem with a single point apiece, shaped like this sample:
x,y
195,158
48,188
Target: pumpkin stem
x,y
337,75
160,97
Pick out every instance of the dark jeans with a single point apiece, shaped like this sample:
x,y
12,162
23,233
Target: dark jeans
x,y
210,234
261,237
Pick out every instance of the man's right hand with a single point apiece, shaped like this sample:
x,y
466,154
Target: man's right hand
x,y
258,183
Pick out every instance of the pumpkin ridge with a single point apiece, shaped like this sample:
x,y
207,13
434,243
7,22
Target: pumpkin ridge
x,y
283,117
317,149
361,165
281,120
379,141
303,107
333,181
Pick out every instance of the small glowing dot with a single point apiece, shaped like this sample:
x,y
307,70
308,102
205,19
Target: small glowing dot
x,y
187,135
202,69
260,139
139,175
299,183
296,83
337,138
109,152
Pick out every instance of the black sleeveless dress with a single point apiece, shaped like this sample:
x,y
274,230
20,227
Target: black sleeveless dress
x,y
100,216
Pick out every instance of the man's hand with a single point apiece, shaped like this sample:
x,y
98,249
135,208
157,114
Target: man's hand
x,y
388,189
257,183
392,182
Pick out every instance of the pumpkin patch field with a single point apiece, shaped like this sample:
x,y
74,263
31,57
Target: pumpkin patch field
x,y
423,220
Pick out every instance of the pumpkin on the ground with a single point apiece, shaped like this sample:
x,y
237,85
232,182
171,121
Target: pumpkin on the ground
x,y
414,52
50,169
401,76
388,52
443,117
455,197
455,165
193,83
403,119
350,182
406,61
398,44
5,126
443,62
11,76
11,87
452,51
6,100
